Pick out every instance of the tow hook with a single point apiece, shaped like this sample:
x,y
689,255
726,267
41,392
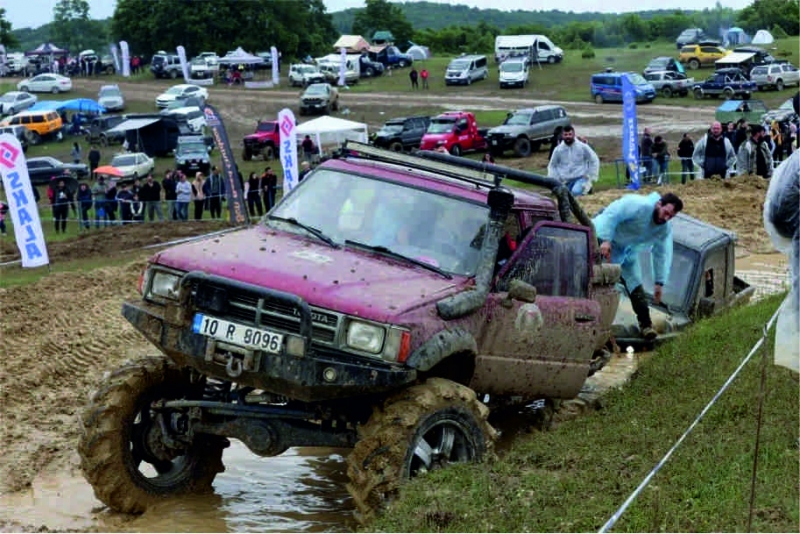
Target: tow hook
x,y
234,366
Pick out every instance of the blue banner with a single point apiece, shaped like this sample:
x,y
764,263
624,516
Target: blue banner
x,y
630,144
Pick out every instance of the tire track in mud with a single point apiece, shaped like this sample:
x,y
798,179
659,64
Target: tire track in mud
x,y
57,348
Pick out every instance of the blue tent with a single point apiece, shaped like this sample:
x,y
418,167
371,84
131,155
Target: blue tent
x,y
81,105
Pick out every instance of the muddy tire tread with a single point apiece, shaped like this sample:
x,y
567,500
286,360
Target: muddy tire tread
x,y
374,467
103,438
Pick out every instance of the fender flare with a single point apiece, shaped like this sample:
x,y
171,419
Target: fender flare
x,y
441,345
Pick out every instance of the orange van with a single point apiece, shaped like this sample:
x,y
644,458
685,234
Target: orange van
x,y
40,124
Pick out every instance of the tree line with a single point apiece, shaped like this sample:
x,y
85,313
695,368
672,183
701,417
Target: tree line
x,y
300,27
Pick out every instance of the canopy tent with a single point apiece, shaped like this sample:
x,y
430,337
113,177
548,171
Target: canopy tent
x,y
762,37
327,130
734,59
133,124
47,49
81,105
351,43
735,36
418,53
240,57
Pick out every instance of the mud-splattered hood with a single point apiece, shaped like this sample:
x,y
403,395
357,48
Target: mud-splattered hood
x,y
346,280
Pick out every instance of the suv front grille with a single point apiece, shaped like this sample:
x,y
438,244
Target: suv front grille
x,y
244,307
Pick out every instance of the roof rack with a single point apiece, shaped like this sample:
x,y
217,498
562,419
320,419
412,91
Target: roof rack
x,y
469,171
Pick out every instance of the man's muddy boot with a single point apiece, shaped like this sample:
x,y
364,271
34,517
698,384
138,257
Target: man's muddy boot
x,y
649,333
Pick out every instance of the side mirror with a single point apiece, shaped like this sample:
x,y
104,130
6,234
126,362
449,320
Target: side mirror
x,y
705,308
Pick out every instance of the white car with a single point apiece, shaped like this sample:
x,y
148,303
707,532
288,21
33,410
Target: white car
x,y
203,67
777,75
46,83
179,92
110,97
133,165
15,101
513,72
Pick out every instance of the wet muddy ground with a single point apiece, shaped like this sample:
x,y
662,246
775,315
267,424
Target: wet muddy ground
x,y
61,333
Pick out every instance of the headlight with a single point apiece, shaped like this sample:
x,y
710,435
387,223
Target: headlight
x,y
365,337
163,285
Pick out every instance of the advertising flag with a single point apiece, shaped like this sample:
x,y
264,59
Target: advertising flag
x,y
126,58
184,64
288,127
343,67
21,203
233,186
276,73
115,56
630,144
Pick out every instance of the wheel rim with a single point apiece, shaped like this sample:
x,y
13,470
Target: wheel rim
x,y
598,99
779,85
446,441
694,64
667,92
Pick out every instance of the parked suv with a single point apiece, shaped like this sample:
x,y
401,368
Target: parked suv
x,y
191,155
96,132
402,133
319,97
777,75
373,308
40,124
165,65
301,75
524,130
701,55
265,141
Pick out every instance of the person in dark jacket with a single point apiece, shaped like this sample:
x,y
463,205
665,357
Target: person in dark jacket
x,y
555,140
253,195
150,196
94,160
125,198
111,203
170,194
85,202
214,191
63,199
685,151
661,158
714,153
741,134
269,182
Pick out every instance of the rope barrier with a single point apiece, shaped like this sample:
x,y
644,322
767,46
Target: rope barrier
x,y
616,515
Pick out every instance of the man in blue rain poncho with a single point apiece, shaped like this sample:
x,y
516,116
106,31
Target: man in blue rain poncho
x,y
630,225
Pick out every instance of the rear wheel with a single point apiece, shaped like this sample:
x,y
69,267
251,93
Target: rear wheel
x,y
54,90
173,74
423,428
694,64
727,93
124,455
779,85
24,89
32,137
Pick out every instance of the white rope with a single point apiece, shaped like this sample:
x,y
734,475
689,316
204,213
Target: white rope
x,y
616,515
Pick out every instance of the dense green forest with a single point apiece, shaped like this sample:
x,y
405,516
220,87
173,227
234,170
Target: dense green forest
x,y
442,27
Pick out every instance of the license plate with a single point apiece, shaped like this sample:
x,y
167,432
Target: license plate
x,y
237,334
494,141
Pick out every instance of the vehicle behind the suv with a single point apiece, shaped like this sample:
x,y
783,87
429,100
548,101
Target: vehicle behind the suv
x,y
165,65
690,35
402,133
374,309
524,130
191,155
776,75
301,75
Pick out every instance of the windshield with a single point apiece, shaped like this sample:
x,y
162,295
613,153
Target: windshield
x,y
315,90
106,92
307,69
675,289
393,127
441,126
198,61
511,67
266,127
123,161
458,65
441,231
518,119
187,148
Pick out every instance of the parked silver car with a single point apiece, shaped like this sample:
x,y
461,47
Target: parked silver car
x,y
15,101
110,97
777,75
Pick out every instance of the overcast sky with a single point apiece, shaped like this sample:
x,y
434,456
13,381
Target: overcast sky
x,y
33,13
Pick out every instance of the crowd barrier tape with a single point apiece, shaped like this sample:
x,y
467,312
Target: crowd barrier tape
x,y
616,515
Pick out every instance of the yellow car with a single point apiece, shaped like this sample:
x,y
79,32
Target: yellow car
x,y
700,55
39,124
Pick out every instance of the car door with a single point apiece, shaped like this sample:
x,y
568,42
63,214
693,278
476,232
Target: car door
x,y
540,346
791,74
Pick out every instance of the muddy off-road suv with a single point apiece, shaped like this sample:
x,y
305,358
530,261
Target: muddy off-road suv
x,y
378,306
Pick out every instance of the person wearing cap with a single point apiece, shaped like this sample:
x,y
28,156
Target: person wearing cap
x,y
754,156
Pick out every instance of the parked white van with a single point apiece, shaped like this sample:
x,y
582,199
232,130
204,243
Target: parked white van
x,y
542,49
514,73
191,115
466,69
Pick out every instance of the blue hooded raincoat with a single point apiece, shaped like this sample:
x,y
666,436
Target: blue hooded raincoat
x,y
628,224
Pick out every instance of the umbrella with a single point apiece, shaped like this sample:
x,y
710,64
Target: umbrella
x,y
109,171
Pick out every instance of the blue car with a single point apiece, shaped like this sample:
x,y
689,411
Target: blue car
x,y
607,87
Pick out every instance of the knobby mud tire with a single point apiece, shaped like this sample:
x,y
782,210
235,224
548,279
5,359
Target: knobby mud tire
x,y
382,458
107,432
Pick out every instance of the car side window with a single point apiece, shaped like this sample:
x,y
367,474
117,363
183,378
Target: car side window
x,y
38,118
547,258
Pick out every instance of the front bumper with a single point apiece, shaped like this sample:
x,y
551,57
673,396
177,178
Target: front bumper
x,y
500,142
323,373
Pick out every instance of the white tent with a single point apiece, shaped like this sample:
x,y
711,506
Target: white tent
x,y
419,53
240,57
327,131
762,37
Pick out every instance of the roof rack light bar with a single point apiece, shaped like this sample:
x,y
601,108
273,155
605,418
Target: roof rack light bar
x,y
473,176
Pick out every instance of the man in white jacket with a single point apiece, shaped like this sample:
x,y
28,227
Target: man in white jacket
x,y
574,163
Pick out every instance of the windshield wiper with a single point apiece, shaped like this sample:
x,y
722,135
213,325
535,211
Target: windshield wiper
x,y
310,229
391,253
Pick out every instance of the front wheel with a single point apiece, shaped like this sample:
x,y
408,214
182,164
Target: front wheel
x,y
423,428
698,94
598,99
522,147
694,64
124,455
727,93
401,63
455,150
54,90
268,152
667,92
